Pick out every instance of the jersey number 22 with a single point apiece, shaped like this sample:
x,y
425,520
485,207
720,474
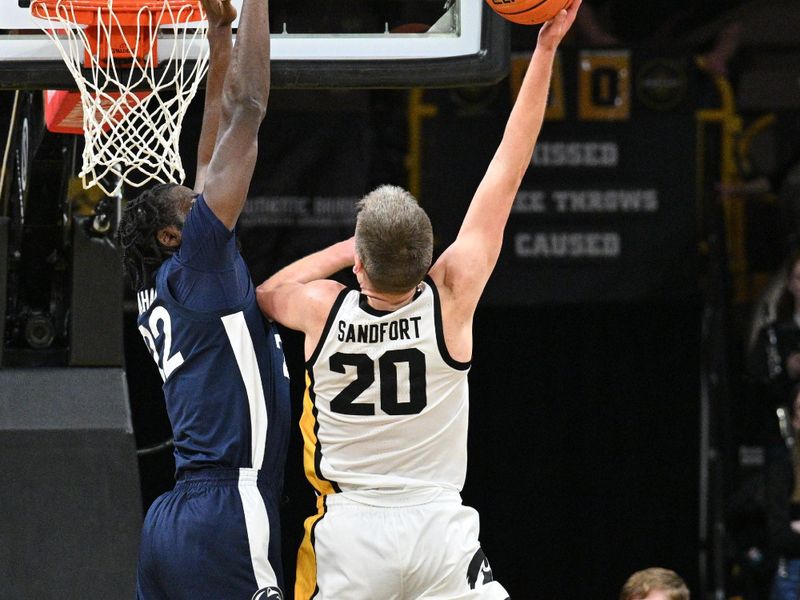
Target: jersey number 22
x,y
167,364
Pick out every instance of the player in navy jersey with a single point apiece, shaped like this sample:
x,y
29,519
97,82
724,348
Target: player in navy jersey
x,y
386,407
216,535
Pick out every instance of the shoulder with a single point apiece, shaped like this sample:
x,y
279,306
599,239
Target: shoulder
x,y
321,296
315,294
319,303
325,297
202,219
459,279
301,306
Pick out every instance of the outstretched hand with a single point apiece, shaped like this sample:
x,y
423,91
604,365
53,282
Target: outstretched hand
x,y
554,30
219,12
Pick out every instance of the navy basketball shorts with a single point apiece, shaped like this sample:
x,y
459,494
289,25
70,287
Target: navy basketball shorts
x,y
357,551
215,536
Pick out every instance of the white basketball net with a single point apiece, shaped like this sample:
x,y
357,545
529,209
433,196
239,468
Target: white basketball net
x,y
130,137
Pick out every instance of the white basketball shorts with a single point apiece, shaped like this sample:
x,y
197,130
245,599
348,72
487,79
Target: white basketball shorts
x,y
358,551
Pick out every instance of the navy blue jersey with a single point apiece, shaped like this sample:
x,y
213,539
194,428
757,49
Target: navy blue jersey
x,y
226,384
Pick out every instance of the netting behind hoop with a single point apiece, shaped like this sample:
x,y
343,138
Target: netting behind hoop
x,y
132,108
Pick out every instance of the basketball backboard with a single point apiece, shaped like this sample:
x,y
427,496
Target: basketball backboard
x,y
338,43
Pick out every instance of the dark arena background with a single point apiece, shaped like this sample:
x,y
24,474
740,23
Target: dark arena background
x,y
612,423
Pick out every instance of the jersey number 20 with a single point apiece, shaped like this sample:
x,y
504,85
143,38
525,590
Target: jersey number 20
x,y
344,402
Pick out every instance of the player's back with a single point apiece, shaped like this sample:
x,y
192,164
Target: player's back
x,y
386,407
223,376
216,534
225,379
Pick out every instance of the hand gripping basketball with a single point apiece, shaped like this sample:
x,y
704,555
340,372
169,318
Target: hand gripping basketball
x,y
554,30
219,12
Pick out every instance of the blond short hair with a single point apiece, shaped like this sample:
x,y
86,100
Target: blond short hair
x,y
641,583
394,239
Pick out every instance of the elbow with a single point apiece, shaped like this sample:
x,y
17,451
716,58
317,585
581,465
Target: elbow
x,y
246,102
262,298
249,108
262,291
255,104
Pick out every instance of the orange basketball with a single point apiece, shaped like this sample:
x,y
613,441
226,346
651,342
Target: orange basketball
x,y
528,12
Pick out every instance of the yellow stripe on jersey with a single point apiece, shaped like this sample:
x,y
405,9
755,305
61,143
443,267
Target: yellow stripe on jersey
x,y
305,584
308,427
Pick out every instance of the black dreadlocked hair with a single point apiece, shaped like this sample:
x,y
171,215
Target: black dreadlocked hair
x,y
141,219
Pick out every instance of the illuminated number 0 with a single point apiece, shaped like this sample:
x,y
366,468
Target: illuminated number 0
x,y
345,401
167,364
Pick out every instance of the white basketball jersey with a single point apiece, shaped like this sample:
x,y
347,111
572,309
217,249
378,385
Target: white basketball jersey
x,y
386,407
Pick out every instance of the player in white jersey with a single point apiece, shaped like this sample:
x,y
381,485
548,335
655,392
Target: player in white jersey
x,y
385,410
409,381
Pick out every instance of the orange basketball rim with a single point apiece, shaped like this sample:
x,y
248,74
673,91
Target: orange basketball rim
x,y
131,25
129,111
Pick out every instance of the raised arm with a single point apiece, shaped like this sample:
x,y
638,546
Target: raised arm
x,y
244,103
298,296
464,268
220,15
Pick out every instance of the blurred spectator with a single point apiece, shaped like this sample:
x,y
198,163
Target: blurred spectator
x,y
783,503
718,58
656,22
660,24
773,363
654,583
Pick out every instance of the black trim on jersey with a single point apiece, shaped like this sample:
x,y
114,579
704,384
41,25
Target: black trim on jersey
x,y
363,304
328,324
437,317
311,538
318,446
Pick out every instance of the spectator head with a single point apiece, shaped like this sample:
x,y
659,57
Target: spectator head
x,y
654,584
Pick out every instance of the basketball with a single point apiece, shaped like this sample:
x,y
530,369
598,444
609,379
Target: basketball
x,y
528,12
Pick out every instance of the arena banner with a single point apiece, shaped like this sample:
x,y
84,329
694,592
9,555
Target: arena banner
x,y
606,212
314,165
